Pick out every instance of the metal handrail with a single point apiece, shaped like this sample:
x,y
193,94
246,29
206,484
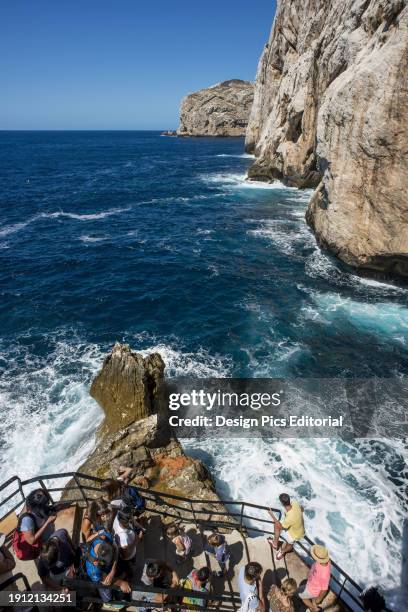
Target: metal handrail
x,y
15,578
155,496
179,593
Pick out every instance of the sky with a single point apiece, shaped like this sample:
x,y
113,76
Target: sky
x,y
120,64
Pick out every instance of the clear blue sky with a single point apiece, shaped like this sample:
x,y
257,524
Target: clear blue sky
x,y
120,64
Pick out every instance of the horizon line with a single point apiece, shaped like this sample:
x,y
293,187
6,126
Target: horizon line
x,y
81,130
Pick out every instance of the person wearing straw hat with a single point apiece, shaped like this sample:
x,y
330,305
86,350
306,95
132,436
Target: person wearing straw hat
x,y
7,562
318,579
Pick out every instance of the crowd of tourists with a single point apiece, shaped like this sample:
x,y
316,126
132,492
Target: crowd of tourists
x,y
114,525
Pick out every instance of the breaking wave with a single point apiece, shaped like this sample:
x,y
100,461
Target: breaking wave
x,y
240,181
16,227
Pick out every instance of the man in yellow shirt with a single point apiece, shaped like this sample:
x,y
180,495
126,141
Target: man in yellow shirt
x,y
293,525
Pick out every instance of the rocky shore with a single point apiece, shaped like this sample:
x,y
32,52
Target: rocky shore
x,y
220,110
330,112
129,389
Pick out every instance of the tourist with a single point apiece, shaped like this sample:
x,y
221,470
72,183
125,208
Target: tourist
x,y
280,599
120,494
98,517
197,580
7,562
126,539
34,526
57,559
160,575
292,524
249,587
181,541
318,579
101,565
373,600
216,545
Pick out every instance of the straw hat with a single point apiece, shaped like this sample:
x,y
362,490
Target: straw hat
x,y
320,553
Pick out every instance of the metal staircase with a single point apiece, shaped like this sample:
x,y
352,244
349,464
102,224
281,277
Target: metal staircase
x,y
244,525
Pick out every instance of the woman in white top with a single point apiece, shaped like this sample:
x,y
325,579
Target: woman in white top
x,y
126,536
249,588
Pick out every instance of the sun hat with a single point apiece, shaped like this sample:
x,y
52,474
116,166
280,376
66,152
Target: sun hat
x,y
320,553
2,538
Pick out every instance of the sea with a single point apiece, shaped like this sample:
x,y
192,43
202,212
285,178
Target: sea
x,y
161,243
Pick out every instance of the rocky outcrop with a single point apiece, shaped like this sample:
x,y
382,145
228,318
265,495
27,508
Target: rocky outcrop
x,y
331,112
128,387
220,110
157,459
136,434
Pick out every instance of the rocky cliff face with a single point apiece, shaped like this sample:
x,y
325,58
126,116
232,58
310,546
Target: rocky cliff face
x,y
331,112
220,110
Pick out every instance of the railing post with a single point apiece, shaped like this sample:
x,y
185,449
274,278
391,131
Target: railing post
x,y
342,587
78,484
20,488
194,514
241,518
44,488
343,582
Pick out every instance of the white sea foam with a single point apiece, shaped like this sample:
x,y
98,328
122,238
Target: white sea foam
x,y
85,217
204,232
370,282
16,227
241,156
289,236
85,238
213,269
49,400
320,265
351,506
239,181
200,364
385,318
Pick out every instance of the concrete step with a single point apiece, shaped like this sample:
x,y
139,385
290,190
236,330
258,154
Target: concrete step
x,y
66,519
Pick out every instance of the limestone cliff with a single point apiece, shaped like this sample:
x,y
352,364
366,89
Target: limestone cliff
x,y
331,112
220,110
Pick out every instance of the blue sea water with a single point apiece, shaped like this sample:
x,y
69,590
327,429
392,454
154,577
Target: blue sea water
x,y
159,242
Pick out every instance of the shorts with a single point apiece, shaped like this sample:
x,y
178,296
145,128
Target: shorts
x,y
295,543
304,594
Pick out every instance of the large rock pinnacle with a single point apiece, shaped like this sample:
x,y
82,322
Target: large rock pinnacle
x,y
128,387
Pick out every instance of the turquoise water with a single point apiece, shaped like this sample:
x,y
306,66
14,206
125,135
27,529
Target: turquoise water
x,y
159,242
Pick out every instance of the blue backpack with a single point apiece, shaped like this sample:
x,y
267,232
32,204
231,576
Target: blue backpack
x,y
133,500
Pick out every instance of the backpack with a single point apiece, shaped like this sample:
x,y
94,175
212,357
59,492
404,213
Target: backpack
x,y
132,499
22,549
88,555
190,585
